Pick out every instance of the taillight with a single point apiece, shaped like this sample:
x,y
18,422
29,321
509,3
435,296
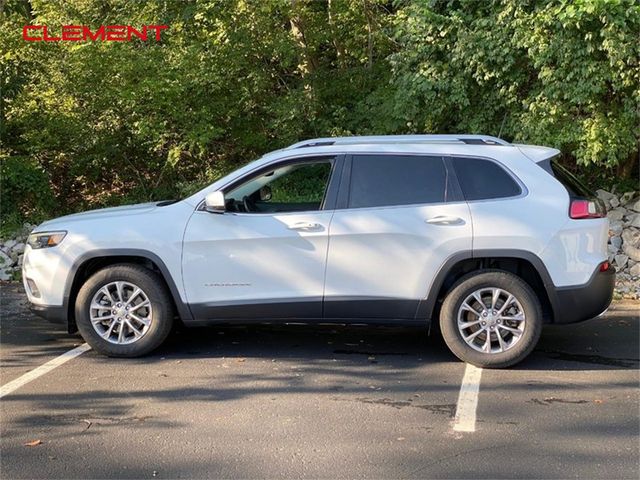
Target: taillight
x,y
604,266
581,208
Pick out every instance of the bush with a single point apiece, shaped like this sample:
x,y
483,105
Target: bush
x,y
24,193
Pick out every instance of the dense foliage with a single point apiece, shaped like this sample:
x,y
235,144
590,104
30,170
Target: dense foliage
x,y
89,124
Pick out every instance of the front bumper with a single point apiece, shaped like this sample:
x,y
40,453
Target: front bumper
x,y
53,313
576,304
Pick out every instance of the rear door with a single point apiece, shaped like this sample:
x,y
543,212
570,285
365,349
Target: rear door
x,y
401,217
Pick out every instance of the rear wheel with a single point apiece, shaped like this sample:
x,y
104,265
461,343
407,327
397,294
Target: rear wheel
x,y
124,311
491,319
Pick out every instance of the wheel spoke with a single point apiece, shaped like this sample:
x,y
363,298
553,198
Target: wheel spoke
x,y
99,319
518,317
136,333
465,306
515,331
145,321
465,325
478,298
500,340
473,335
136,307
506,304
135,293
105,291
121,332
109,331
97,306
119,289
495,297
487,343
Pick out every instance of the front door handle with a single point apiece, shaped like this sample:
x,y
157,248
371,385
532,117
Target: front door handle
x,y
445,220
306,226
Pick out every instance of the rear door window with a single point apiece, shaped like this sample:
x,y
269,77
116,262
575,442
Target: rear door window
x,y
390,180
482,179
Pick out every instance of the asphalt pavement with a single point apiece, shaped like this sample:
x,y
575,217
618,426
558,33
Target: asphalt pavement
x,y
318,402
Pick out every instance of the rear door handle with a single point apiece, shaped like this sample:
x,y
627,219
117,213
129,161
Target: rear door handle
x,y
445,220
305,226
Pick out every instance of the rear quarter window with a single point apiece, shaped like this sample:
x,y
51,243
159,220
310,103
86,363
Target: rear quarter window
x,y
482,179
573,185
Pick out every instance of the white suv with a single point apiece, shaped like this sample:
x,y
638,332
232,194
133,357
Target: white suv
x,y
491,238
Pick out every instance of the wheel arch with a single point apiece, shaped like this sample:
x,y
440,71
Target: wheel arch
x,y
522,263
89,263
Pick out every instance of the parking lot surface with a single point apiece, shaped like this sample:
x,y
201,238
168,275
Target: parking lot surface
x,y
318,402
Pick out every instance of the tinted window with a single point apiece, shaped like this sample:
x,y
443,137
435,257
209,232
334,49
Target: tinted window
x,y
381,180
289,188
482,179
573,185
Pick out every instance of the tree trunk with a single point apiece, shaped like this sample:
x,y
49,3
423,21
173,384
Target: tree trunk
x,y
367,12
306,64
629,166
340,54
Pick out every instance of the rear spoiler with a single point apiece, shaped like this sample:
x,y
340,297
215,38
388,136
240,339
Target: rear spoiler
x,y
537,154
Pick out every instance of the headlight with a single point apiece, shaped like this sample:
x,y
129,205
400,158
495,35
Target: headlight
x,y
45,239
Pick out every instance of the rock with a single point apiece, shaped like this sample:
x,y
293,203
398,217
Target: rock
x,y
631,243
5,260
614,202
621,261
604,195
615,228
635,220
20,259
616,215
5,274
13,255
627,197
635,270
616,242
636,206
18,248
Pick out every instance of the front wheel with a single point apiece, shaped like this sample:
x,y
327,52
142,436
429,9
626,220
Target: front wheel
x,y
491,319
124,311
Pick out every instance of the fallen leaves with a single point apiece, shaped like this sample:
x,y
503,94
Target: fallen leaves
x,y
33,443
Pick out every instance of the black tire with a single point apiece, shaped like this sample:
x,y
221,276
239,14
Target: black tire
x,y
155,289
491,279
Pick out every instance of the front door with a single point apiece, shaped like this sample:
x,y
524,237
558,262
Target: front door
x,y
265,257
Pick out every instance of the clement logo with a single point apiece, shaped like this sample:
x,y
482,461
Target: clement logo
x,y
80,33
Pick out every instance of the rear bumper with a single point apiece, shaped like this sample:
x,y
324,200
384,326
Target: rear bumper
x,y
576,304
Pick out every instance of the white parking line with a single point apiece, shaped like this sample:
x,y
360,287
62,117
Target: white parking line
x,y
42,369
465,419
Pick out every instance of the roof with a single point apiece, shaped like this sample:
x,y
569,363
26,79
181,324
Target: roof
x,y
462,143
406,139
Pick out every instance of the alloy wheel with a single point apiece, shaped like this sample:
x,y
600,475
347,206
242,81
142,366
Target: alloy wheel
x,y
121,313
491,320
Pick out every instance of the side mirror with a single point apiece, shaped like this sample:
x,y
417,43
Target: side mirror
x,y
214,202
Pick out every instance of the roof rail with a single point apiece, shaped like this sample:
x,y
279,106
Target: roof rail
x,y
378,139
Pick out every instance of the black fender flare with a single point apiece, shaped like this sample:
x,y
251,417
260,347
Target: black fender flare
x,y
183,309
426,307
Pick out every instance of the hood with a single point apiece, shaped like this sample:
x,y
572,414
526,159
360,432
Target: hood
x,y
124,210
